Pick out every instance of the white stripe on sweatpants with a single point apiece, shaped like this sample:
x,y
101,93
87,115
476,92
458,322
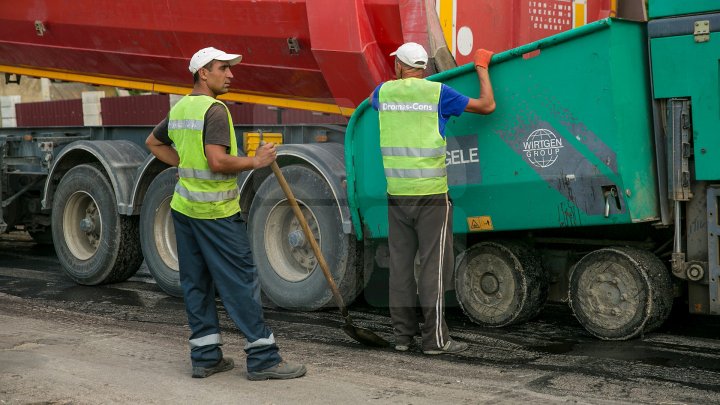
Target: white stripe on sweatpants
x,y
439,302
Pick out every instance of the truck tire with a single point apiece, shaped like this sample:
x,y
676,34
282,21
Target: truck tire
x,y
500,283
288,270
619,293
94,243
157,233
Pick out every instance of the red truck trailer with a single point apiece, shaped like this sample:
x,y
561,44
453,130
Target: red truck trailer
x,y
105,201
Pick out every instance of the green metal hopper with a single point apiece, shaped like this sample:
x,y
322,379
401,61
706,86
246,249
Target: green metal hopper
x,y
673,8
570,143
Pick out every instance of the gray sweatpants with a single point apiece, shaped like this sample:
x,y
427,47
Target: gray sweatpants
x,y
420,224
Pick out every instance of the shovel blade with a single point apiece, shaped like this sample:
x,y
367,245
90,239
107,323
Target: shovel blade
x,y
364,336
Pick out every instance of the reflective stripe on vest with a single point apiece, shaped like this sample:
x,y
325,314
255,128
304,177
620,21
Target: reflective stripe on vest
x,y
415,173
200,192
195,125
205,196
413,150
204,174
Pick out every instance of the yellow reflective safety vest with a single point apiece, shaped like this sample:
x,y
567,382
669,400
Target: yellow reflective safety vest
x,y
412,148
200,193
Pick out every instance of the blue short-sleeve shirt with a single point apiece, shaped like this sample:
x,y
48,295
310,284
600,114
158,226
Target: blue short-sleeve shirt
x,y
452,104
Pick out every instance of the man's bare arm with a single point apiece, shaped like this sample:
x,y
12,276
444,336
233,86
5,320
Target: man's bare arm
x,y
222,162
165,153
485,104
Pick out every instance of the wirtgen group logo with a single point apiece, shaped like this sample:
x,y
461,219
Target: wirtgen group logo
x,y
542,148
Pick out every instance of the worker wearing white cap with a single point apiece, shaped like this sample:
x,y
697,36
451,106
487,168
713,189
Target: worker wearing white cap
x,y
412,114
212,243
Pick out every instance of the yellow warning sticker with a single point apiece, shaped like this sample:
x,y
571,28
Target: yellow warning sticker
x,y
476,224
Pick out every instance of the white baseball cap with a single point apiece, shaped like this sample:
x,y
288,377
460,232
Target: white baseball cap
x,y
205,55
412,54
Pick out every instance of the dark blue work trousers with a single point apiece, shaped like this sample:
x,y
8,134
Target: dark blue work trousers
x,y
214,255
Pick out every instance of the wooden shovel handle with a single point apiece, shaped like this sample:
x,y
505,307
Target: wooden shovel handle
x,y
309,235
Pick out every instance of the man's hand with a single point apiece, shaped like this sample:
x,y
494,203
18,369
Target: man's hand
x,y
264,155
482,58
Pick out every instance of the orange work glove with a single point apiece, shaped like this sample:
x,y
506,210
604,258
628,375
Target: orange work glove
x,y
482,58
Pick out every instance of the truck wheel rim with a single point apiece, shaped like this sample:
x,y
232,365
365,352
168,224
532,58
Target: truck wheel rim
x,y
494,287
289,254
164,235
82,225
610,296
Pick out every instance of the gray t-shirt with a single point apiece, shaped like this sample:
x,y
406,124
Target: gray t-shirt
x,y
216,130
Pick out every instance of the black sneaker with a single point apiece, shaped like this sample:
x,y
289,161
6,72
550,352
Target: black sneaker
x,y
280,371
224,364
451,347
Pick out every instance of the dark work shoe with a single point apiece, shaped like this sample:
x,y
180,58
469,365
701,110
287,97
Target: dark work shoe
x,y
451,347
280,371
224,364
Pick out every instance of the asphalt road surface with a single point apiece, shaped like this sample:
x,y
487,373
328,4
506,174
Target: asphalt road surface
x,y
61,343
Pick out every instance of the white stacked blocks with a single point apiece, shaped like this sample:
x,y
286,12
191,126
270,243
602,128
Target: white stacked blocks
x,y
7,110
92,112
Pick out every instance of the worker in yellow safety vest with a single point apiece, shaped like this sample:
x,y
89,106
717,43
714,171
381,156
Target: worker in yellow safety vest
x,y
412,114
212,243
